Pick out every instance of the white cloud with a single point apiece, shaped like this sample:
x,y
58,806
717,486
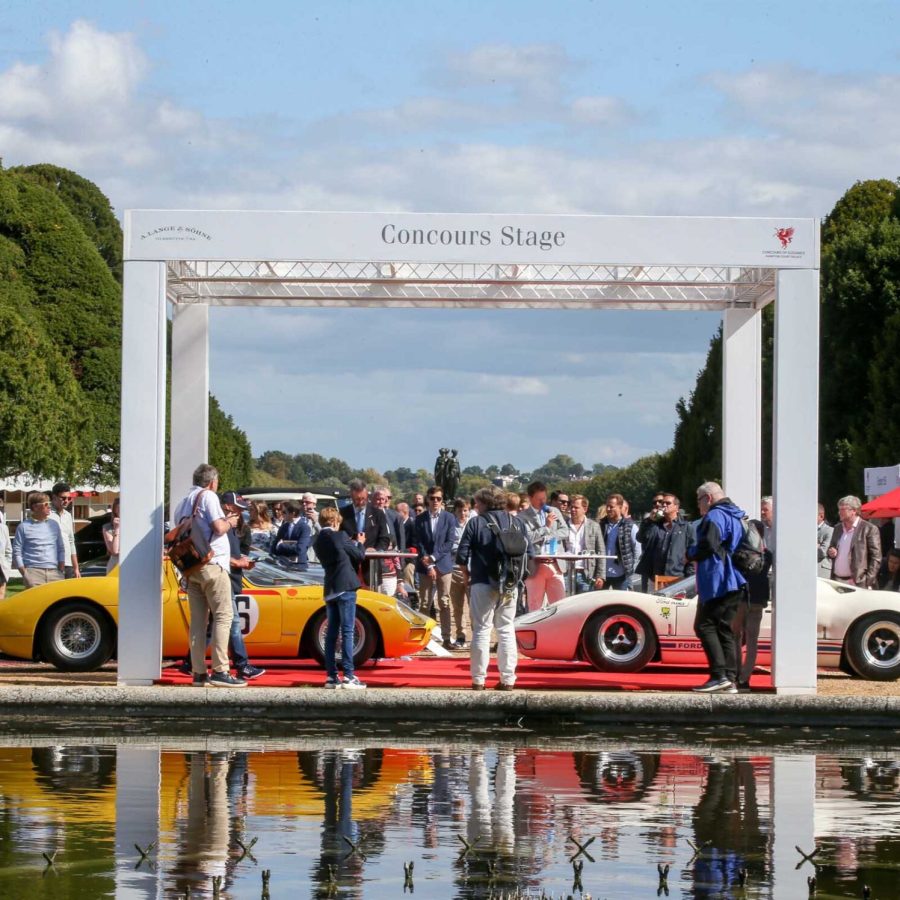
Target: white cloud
x,y
533,70
518,385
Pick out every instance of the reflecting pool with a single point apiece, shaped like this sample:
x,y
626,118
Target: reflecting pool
x,y
343,813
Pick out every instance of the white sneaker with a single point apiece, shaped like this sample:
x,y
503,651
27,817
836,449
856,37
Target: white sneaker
x,y
353,684
332,684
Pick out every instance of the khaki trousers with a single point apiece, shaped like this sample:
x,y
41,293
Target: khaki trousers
x,y
458,584
35,576
209,593
442,585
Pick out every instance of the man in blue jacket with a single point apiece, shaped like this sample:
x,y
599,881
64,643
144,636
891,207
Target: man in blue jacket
x,y
720,586
434,535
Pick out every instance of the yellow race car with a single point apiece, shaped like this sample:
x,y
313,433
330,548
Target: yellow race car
x,y
73,624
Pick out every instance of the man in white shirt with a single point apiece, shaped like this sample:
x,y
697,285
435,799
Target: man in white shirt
x,y
209,588
61,498
549,533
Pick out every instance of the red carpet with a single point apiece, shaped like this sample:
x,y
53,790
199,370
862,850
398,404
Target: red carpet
x,y
431,672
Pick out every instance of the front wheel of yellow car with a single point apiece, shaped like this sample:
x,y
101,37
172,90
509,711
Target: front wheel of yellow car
x,y
76,637
365,637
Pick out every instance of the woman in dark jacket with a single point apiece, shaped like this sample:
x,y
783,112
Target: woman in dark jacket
x,y
340,556
889,575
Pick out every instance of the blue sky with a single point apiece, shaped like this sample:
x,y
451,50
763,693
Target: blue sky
x,y
575,107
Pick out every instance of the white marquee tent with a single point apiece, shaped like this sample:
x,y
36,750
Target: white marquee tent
x,y
198,259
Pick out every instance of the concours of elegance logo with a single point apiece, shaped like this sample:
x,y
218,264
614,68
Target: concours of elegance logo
x,y
176,233
785,235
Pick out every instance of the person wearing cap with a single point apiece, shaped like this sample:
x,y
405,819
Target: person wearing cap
x,y
234,506
308,502
61,498
311,515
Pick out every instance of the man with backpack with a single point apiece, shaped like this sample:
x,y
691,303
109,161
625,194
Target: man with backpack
x,y
720,585
494,549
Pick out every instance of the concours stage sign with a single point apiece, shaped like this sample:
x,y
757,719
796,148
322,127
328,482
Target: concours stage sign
x,y
471,238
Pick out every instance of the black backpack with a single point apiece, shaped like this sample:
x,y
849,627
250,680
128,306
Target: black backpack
x,y
512,563
750,554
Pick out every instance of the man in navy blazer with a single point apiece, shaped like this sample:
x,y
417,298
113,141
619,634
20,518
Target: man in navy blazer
x,y
434,532
362,517
294,536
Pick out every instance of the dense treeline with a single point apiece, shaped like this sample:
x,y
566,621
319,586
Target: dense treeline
x,y
311,470
859,362
61,334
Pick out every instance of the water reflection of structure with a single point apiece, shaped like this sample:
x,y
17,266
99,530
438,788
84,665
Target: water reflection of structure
x,y
519,806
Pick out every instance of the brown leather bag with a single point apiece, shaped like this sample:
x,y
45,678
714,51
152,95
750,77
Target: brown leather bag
x,y
185,544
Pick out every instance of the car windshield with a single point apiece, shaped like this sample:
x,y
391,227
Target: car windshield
x,y
685,587
267,574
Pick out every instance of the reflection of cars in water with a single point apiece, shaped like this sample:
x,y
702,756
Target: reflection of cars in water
x,y
72,624
291,782
623,631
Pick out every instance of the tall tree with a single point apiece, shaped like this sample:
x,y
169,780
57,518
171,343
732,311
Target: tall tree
x,y
860,294
88,204
229,449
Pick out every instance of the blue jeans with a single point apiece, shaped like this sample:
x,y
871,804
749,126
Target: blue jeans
x,y
341,619
582,583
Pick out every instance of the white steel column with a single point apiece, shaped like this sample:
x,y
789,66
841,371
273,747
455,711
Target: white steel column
x,y
795,465
142,471
741,407
189,440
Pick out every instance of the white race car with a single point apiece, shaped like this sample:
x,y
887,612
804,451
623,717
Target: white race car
x,y
857,631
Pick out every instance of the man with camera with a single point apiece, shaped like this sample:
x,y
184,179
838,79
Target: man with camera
x,y
664,536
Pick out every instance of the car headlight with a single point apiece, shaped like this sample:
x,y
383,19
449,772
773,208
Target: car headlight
x,y
410,614
538,615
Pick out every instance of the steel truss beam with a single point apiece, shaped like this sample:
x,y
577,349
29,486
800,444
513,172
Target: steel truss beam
x,y
267,283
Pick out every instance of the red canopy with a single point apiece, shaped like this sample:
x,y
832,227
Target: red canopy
x,y
887,506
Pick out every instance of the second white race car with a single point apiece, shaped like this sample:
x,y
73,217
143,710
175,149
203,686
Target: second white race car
x,y
857,630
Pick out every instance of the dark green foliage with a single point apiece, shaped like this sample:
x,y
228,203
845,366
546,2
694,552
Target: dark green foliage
x,y
696,455
636,483
561,467
61,333
860,293
860,298
62,318
883,417
866,203
88,204
229,449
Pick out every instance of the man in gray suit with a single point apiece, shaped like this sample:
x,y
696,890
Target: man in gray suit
x,y
585,536
855,550
824,531
549,534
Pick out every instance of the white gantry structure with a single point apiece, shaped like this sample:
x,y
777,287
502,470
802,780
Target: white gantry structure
x,y
197,259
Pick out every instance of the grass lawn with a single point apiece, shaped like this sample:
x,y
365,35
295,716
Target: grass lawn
x,y
14,587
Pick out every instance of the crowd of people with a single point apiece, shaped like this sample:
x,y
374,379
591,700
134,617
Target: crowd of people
x,y
448,562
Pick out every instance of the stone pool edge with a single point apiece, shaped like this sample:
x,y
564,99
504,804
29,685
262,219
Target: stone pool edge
x,y
445,705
